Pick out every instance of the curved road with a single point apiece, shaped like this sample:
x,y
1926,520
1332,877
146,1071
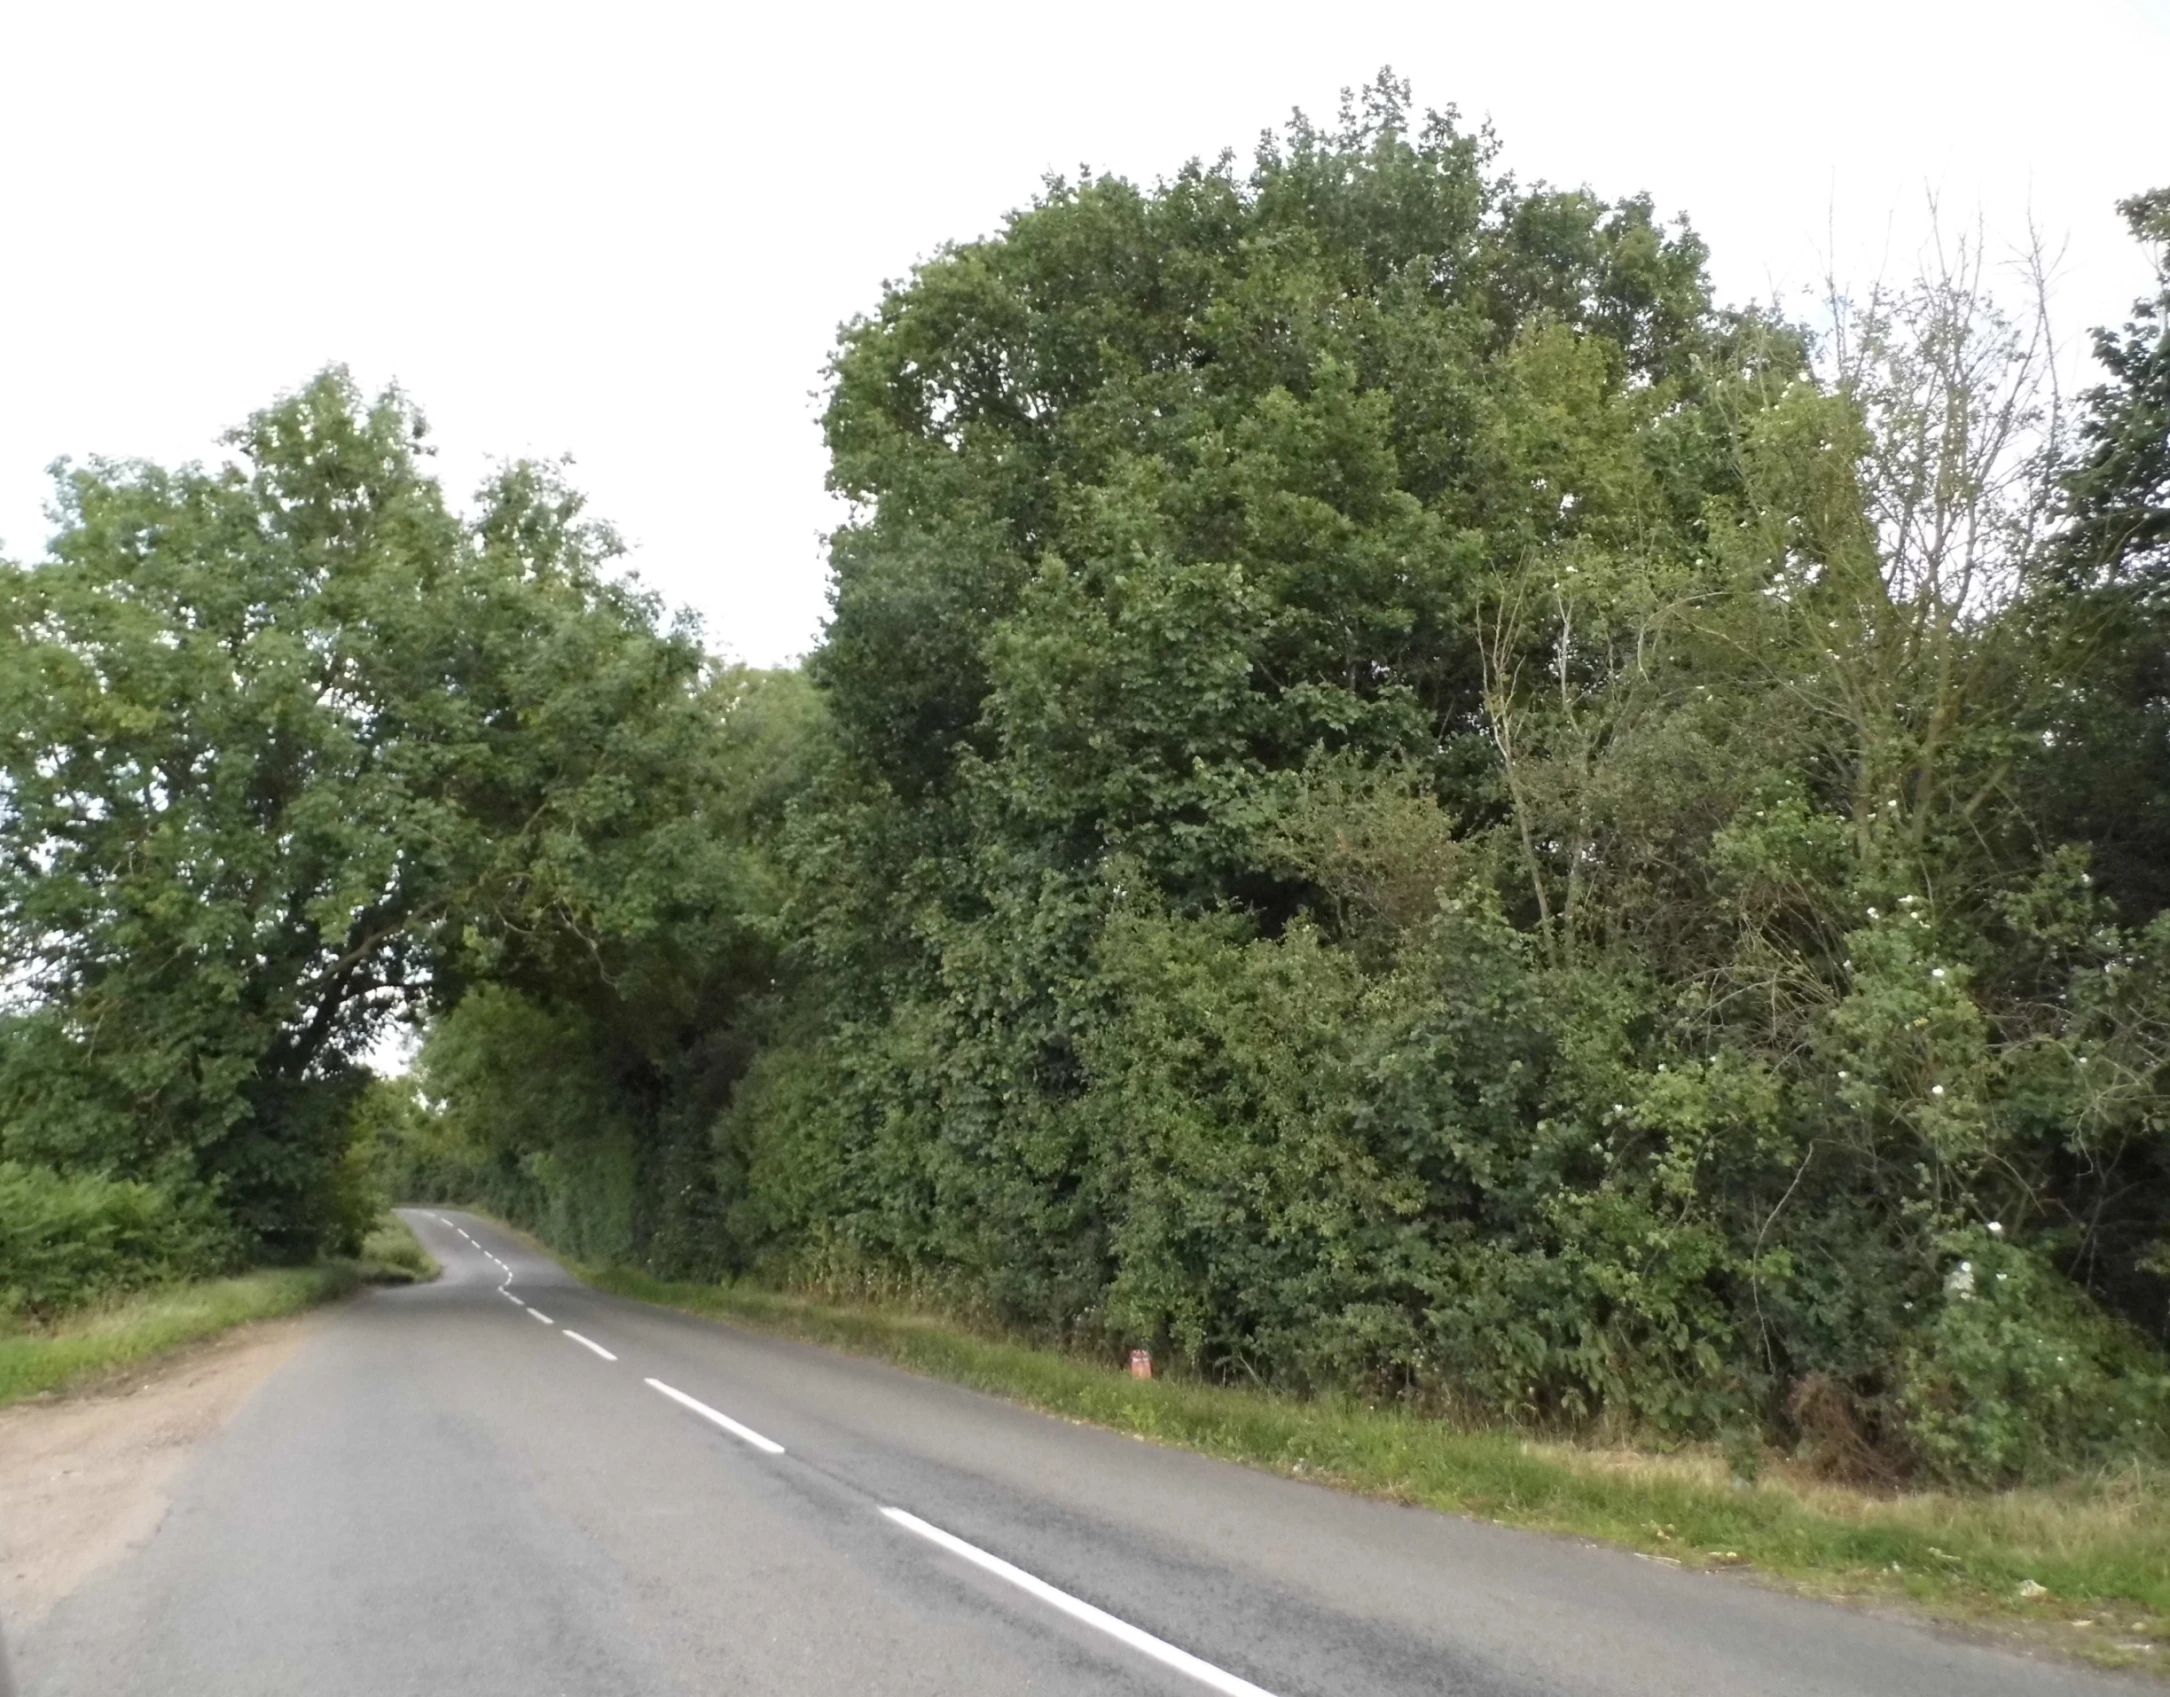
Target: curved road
x,y
451,1490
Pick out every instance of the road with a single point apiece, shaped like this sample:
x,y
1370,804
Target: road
x,y
506,1483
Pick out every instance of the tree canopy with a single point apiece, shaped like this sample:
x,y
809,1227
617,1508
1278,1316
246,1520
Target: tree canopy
x,y
288,749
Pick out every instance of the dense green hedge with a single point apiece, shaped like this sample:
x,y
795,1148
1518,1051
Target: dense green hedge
x,y
69,1240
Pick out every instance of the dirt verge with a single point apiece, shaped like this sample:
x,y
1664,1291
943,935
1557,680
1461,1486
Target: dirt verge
x,y
85,1479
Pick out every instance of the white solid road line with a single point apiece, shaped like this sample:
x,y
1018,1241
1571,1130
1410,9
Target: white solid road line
x,y
1220,1679
538,1314
590,1343
724,1420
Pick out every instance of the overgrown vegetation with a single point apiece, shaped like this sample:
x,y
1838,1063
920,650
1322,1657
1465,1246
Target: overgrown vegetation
x,y
1396,804
67,1240
104,1338
83,1341
391,1254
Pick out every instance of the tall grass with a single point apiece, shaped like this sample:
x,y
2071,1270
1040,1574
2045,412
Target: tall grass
x,y
99,1340
125,1331
391,1254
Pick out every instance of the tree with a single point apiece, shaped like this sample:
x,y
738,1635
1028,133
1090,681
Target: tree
x,y
2107,764
288,748
1176,510
2120,484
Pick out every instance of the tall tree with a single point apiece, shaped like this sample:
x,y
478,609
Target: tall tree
x,y
2109,769
287,747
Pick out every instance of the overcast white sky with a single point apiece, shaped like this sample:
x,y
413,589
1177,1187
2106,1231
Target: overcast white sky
x,y
627,232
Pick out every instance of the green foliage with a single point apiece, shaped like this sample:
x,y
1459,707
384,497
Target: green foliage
x,y
391,1253
2120,485
70,1240
1162,1028
1408,804
575,1090
2017,1375
534,1129
288,748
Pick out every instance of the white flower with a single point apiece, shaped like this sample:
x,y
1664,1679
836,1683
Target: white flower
x,y
1996,1228
1872,913
1937,972
1936,1090
1961,1282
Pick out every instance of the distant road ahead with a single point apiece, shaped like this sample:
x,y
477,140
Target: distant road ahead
x,y
451,1490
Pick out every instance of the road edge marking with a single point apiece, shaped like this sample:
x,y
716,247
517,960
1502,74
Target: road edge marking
x,y
1220,1679
538,1314
767,1445
589,1343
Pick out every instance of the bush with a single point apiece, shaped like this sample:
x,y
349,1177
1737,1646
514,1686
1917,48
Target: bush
x,y
2019,1377
69,1240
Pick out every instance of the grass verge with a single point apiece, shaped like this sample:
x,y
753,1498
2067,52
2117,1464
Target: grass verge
x,y
391,1254
2083,1569
89,1345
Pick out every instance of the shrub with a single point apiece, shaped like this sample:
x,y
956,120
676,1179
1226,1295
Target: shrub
x,y
66,1240
2018,1376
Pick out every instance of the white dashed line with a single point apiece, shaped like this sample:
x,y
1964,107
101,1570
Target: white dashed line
x,y
538,1314
768,1445
508,1296
1220,1679
590,1343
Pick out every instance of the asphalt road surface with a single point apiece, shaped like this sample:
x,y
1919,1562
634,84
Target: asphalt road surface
x,y
507,1485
